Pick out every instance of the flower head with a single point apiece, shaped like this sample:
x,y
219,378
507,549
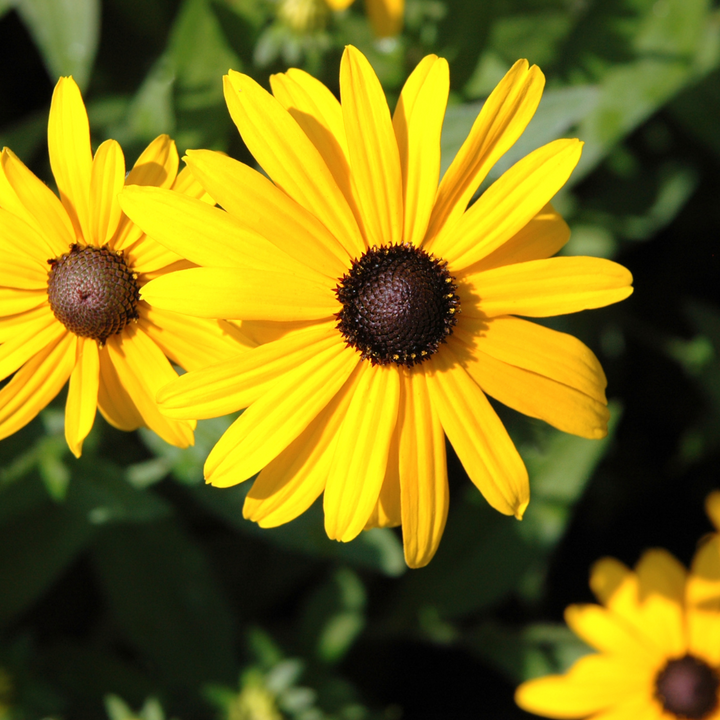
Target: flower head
x,y
386,16
658,636
70,281
395,302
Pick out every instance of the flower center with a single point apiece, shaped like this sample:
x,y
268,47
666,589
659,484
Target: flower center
x,y
92,292
399,304
687,688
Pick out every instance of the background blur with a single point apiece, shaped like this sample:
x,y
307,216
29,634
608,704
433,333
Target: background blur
x,y
130,589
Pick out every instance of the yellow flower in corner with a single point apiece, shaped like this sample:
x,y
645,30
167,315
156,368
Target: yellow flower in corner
x,y
397,301
70,281
658,637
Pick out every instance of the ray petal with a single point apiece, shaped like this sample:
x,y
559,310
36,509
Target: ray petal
x,y
116,406
16,351
504,116
423,473
477,434
386,16
360,458
373,150
417,121
290,159
27,244
15,302
70,153
542,288
82,397
107,180
263,209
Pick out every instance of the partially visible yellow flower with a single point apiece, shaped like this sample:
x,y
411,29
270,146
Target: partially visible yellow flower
x,y
386,16
397,298
658,636
70,283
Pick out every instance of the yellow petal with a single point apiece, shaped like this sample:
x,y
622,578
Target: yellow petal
x,y
360,457
617,587
261,208
145,257
712,508
541,238
703,602
114,402
318,112
594,683
70,153
13,325
605,631
290,159
236,383
508,205
339,4
541,288
37,205
82,397
417,121
373,150
290,484
640,705
35,384
232,293
25,260
479,438
192,343
187,184
108,178
204,234
534,395
15,302
386,16
503,117
387,511
273,421
143,370
423,473
16,351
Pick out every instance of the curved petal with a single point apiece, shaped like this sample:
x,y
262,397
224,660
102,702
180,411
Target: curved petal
x,y
641,705
537,396
373,150
25,247
541,238
232,293
187,184
82,396
204,234
35,384
290,484
594,683
145,256
273,421
263,209
386,16
361,454
712,508
703,602
70,153
617,587
142,370
423,472
290,159
13,325
107,180
504,116
114,402
417,121
37,205
236,383
388,511
192,343
508,204
16,351
542,288
479,438
14,302
339,4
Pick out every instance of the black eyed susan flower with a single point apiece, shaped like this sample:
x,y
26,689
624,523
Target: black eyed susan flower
x,y
658,636
394,303
70,281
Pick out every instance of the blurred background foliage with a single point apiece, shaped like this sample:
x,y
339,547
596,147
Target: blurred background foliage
x,y
129,589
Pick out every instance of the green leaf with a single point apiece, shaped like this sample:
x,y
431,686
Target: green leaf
x,y
165,601
67,34
6,5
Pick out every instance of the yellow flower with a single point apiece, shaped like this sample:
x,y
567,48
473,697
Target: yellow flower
x,y
386,16
658,637
397,300
69,287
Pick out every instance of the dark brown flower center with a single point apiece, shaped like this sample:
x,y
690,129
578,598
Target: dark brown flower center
x,y
399,304
687,688
92,292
